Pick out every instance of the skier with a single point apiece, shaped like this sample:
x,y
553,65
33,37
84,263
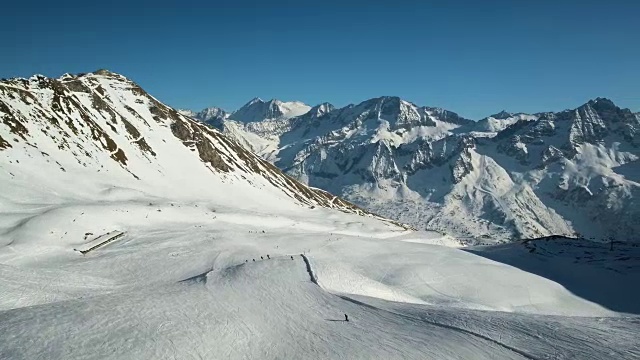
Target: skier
x,y
268,257
246,261
254,260
262,257
291,257
346,318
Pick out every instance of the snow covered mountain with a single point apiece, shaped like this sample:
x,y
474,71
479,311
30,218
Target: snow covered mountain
x,y
211,115
258,124
106,129
506,176
259,110
129,230
500,121
580,164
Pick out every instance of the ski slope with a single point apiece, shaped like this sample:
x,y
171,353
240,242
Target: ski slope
x,y
183,284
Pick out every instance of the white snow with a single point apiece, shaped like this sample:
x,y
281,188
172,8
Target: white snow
x,y
495,125
182,283
179,287
258,110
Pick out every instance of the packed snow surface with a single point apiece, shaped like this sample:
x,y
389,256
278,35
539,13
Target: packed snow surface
x,y
183,284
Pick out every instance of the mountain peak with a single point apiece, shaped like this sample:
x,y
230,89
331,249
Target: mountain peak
x,y
211,113
601,103
325,107
102,73
597,103
382,101
106,73
187,112
502,115
125,137
390,98
258,110
602,100
319,110
255,100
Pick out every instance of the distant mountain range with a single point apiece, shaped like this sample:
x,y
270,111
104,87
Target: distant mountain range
x,y
508,176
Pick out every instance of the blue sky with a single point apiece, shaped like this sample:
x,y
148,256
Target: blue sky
x,y
472,57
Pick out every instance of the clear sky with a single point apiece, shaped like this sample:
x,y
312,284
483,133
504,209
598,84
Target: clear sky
x,y
472,57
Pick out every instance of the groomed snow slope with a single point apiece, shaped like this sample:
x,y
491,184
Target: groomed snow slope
x,y
183,284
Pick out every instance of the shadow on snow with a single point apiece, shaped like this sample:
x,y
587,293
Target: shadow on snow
x,y
588,269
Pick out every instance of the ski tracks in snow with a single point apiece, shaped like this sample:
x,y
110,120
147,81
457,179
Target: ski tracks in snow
x,y
314,279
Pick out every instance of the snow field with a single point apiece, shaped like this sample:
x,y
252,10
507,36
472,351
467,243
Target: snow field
x,y
178,286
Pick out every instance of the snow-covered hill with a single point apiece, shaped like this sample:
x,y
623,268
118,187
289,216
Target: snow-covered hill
x,y
182,283
507,176
106,130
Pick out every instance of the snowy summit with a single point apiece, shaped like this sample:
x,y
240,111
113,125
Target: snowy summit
x,y
259,110
509,176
